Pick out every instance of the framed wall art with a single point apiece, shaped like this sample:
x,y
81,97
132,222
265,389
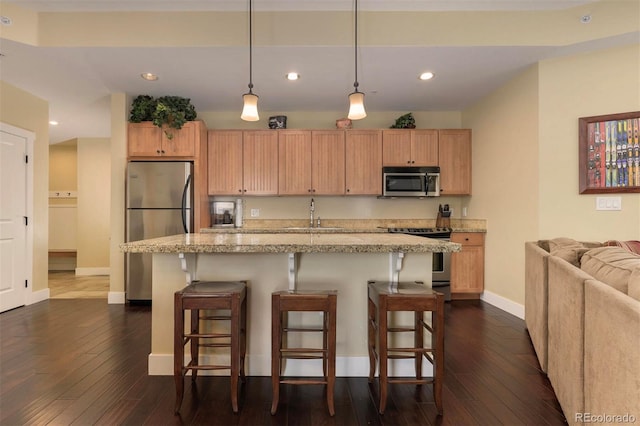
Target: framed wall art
x,y
609,149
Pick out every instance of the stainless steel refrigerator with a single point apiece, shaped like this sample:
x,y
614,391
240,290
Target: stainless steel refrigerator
x,y
158,203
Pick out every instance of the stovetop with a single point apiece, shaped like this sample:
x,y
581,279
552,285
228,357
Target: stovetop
x,y
425,232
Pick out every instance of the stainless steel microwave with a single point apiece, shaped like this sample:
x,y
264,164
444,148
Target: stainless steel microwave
x,y
411,181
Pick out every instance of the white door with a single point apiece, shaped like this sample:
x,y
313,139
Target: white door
x,y
13,227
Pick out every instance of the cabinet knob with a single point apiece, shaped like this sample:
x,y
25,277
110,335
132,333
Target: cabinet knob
x,y
239,190
309,190
313,190
162,151
408,162
412,162
158,151
466,239
348,190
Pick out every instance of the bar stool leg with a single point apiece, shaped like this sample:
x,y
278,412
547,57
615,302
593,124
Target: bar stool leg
x,y
243,341
195,342
383,345
371,311
276,344
438,344
235,351
331,355
418,340
178,354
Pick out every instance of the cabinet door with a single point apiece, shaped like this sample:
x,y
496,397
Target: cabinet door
x,y
467,266
363,161
294,162
454,159
224,162
260,162
424,148
396,147
327,162
182,142
144,140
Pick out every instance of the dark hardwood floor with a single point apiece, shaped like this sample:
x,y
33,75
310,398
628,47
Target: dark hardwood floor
x,y
84,362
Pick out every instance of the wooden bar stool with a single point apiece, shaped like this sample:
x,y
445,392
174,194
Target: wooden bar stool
x,y
385,297
210,295
303,301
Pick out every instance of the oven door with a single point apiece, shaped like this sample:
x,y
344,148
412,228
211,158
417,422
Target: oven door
x,y
441,267
404,185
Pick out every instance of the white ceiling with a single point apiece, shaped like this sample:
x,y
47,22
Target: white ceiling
x,y
77,82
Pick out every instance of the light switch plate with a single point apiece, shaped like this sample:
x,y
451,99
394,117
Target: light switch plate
x,y
255,212
608,203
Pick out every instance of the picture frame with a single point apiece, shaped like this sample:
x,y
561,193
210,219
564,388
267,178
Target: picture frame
x,y
609,153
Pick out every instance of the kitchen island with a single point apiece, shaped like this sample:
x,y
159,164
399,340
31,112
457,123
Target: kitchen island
x,y
277,261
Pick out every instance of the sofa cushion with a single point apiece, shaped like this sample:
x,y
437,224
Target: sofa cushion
x,y
634,284
611,265
567,249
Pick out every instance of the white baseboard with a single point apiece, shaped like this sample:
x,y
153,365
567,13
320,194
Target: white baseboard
x,y
38,296
92,271
503,303
116,298
162,365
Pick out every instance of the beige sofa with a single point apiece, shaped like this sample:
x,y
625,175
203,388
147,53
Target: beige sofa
x,y
582,311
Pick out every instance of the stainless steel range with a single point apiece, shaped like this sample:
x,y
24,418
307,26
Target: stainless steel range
x,y
441,278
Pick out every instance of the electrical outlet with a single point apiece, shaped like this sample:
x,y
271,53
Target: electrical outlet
x,y
255,212
464,212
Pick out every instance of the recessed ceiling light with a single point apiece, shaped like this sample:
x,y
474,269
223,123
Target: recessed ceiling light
x,y
585,19
293,76
5,20
53,122
149,76
426,75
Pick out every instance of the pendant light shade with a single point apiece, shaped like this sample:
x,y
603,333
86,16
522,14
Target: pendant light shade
x,y
356,106
356,99
250,108
250,100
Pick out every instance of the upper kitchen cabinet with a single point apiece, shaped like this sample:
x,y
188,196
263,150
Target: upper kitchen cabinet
x,y
413,148
311,162
454,159
148,141
363,156
243,162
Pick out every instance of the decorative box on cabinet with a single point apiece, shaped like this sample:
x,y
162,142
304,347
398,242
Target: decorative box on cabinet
x,y
467,266
148,140
413,148
363,156
454,159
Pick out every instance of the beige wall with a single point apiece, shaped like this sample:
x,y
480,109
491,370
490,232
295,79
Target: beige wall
x,y
63,170
576,87
505,179
94,196
21,109
525,159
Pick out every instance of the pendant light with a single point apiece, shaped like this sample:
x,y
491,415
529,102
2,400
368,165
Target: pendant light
x,y
356,99
250,100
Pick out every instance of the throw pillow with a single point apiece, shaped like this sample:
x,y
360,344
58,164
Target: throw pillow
x,y
567,249
611,265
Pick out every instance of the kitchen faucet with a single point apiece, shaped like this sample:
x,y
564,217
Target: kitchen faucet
x,y
312,208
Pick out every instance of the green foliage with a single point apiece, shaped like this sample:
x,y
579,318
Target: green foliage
x,y
142,109
169,111
405,122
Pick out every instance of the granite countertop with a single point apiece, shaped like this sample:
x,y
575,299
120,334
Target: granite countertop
x,y
311,242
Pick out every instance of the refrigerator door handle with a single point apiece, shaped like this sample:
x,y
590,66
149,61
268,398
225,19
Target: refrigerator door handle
x,y
184,205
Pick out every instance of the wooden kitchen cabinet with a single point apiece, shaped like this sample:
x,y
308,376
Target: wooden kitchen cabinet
x,y
363,159
243,162
311,162
413,148
225,162
146,140
454,159
467,266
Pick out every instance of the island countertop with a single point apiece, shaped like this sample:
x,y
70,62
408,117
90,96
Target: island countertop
x,y
290,243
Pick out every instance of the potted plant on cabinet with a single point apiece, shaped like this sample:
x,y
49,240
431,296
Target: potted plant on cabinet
x,y
166,112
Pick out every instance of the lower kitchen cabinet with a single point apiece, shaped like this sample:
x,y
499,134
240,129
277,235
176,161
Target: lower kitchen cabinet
x,y
467,266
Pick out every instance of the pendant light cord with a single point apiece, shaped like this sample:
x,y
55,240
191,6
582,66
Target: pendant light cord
x,y
251,47
355,50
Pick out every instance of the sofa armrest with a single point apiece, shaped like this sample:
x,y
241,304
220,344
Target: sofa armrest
x,y
566,335
535,298
612,351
